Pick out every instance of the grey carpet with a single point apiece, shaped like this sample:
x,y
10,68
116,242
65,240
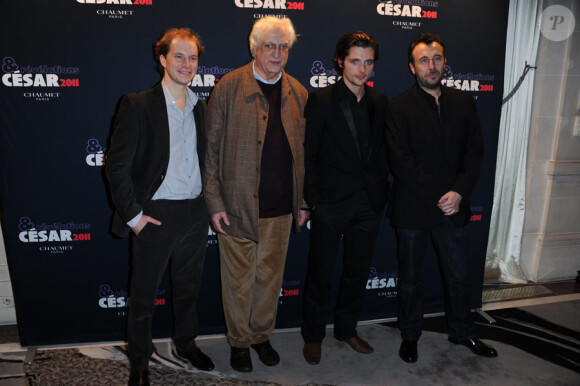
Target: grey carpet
x,y
440,362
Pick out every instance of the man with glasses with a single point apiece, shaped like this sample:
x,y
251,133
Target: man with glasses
x,y
346,186
253,185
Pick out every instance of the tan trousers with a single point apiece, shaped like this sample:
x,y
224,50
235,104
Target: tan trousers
x,y
251,276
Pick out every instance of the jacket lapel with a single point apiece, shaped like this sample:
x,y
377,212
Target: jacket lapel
x,y
160,113
347,112
374,124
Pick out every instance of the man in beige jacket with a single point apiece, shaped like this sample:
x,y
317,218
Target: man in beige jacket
x,y
253,185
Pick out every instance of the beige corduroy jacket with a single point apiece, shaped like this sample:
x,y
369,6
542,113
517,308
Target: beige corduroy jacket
x,y
236,119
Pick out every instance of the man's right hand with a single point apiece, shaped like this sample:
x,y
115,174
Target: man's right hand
x,y
216,220
449,203
142,222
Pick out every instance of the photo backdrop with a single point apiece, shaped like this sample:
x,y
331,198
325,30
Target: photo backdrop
x,y
66,64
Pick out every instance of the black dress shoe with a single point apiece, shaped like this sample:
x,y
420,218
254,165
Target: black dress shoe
x,y
408,351
477,346
240,359
139,378
198,359
312,352
266,353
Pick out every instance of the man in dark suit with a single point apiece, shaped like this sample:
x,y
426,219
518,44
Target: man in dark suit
x,y
435,150
346,187
154,168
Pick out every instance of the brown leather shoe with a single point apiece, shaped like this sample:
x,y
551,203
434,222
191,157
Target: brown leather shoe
x,y
312,352
357,344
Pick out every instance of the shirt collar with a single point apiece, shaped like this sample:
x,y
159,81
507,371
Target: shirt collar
x,y
190,97
428,96
350,94
258,77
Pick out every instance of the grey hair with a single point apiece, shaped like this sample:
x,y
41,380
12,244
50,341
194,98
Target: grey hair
x,y
265,24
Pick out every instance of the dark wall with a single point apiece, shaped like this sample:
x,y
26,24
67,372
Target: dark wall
x,y
66,63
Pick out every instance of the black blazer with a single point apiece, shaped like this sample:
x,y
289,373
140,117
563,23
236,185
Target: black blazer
x,y
138,157
428,162
334,167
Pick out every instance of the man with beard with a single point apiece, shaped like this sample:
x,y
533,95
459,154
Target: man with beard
x,y
435,150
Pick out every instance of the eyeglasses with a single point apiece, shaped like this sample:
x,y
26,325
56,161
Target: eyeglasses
x,y
271,47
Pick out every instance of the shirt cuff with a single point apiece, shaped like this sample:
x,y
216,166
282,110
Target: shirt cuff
x,y
133,223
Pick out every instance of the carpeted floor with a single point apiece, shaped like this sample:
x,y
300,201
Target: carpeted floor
x,y
71,367
520,292
537,345
534,334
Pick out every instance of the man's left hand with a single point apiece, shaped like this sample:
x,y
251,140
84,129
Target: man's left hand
x,y
449,203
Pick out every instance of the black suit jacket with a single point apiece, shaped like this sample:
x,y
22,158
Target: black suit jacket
x,y
334,167
428,162
138,157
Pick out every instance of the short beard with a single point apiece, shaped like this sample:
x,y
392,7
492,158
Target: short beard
x,y
429,85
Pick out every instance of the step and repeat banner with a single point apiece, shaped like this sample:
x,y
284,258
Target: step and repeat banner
x,y
66,63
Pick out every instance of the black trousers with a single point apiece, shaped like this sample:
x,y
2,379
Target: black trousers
x,y
357,223
450,242
181,238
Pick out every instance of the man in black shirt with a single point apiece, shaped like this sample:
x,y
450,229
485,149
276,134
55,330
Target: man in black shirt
x,y
346,187
435,150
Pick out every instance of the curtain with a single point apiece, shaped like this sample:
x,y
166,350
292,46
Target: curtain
x,y
509,196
